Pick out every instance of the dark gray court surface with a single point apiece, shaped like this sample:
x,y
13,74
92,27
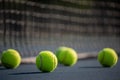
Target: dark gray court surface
x,y
83,70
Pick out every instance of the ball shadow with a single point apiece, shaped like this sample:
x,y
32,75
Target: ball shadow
x,y
23,73
3,68
91,67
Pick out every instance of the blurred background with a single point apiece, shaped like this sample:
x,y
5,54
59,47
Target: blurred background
x,y
34,25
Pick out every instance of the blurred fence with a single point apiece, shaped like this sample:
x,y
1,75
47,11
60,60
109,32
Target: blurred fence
x,y
33,25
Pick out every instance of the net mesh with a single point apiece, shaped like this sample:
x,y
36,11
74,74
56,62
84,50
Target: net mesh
x,y
34,25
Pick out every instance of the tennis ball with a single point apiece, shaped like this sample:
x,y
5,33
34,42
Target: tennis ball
x,y
10,59
66,56
107,57
46,61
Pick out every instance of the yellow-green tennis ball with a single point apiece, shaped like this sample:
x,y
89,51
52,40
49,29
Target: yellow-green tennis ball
x,y
10,59
66,56
46,61
107,57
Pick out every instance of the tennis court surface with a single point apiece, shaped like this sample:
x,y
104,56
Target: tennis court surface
x,y
84,70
